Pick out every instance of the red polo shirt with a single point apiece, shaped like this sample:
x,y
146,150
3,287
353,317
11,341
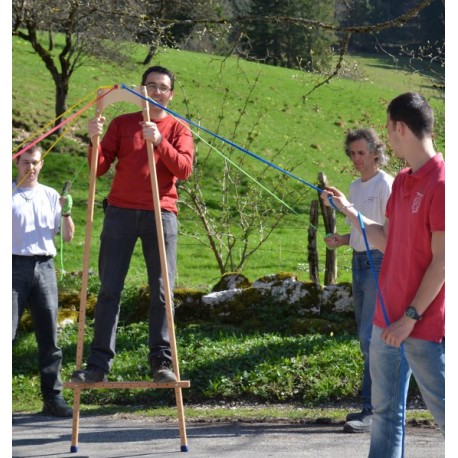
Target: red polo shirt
x,y
415,209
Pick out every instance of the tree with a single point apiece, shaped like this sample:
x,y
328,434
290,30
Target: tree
x,y
80,23
290,45
172,23
237,225
292,33
420,30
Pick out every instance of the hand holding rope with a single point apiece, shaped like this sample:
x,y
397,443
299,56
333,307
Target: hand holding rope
x,y
329,194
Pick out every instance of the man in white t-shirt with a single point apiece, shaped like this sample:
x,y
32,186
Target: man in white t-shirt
x,y
369,194
39,213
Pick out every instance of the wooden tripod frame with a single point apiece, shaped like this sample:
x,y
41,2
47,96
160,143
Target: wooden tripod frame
x,y
105,97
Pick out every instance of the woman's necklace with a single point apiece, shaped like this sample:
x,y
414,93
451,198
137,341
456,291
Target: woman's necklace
x,y
27,196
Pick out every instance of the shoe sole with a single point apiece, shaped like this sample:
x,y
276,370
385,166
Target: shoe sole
x,y
164,380
78,379
164,377
54,414
352,429
88,381
63,412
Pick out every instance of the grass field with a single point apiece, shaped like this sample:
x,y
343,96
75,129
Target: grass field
x,y
237,100
252,105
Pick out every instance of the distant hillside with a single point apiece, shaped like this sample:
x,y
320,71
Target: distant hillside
x,y
264,109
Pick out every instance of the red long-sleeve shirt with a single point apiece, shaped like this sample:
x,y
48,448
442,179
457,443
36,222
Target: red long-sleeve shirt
x,y
124,143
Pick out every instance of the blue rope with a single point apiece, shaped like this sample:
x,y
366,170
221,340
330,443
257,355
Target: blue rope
x,y
387,322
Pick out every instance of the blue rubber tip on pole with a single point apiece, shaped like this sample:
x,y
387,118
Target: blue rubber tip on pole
x,y
184,448
73,449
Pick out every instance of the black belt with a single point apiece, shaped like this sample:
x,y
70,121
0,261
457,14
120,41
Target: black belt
x,y
37,257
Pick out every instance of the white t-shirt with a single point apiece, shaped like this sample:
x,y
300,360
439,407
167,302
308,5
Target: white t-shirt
x,y
370,198
36,220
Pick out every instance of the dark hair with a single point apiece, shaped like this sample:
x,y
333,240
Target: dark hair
x,y
159,69
412,109
375,145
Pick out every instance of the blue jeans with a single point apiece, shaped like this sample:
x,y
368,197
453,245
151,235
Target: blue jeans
x,y
426,360
121,229
364,290
34,285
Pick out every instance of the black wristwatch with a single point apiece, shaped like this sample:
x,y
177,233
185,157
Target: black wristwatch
x,y
412,313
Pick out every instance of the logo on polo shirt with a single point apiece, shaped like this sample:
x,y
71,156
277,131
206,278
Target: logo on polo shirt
x,y
417,202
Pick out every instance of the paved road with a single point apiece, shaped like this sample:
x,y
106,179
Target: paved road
x,y
121,436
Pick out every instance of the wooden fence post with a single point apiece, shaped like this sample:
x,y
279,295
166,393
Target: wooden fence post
x,y
329,218
311,247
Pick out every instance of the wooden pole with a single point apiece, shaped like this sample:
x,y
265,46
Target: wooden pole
x,y
312,248
329,218
165,275
84,280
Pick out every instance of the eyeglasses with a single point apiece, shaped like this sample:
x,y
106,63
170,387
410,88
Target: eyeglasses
x,y
155,87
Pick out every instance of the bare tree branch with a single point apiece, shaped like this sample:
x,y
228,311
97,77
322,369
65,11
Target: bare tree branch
x,y
343,51
396,22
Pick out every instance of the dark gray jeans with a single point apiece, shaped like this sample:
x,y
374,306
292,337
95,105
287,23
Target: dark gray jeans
x,y
35,286
121,229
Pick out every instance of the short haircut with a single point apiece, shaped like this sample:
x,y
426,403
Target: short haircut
x,y
375,145
412,109
159,69
32,149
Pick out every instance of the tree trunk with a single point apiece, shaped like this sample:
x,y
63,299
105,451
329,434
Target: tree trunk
x,y
50,41
150,55
61,104
329,218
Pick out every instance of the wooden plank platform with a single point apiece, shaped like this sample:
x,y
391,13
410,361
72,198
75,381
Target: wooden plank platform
x,y
127,385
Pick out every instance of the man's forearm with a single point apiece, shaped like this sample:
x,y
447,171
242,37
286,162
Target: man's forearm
x,y
68,228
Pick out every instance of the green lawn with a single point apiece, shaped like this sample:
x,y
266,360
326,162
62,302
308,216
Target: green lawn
x,y
237,100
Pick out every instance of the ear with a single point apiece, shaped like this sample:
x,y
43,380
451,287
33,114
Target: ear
x,y
401,127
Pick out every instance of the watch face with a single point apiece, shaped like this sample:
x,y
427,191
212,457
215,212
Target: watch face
x,y
412,313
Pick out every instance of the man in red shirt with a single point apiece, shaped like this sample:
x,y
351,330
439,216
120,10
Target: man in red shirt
x,y
408,335
129,216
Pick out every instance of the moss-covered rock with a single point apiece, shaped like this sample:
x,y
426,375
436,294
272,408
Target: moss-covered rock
x,y
188,304
232,306
66,317
231,280
277,302
338,299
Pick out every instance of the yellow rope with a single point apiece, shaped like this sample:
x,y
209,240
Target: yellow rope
x,y
35,134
